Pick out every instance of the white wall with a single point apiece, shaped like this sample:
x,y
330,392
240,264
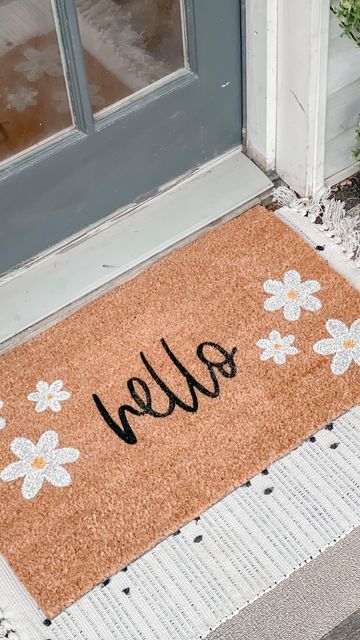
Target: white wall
x,y
343,104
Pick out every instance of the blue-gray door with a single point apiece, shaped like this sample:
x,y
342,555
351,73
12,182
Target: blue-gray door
x,y
93,117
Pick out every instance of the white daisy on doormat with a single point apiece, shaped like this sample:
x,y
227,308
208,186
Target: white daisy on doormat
x,y
292,294
39,462
276,347
2,420
344,345
49,396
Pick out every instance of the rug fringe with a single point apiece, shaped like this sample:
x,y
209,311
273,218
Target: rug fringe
x,y
7,629
329,214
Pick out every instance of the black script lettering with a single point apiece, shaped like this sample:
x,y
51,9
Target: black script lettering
x,y
127,433
228,360
141,395
145,405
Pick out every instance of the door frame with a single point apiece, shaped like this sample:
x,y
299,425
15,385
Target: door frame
x,y
287,59
286,89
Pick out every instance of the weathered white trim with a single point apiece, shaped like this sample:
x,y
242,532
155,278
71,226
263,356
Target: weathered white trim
x,y
342,175
261,81
42,293
303,37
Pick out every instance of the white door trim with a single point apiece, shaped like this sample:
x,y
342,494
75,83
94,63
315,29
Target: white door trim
x,y
261,81
50,289
286,68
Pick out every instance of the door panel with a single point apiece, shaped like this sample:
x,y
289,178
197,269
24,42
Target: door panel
x,y
135,147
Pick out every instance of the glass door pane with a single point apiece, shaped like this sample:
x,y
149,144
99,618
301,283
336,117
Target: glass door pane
x,y
33,95
128,45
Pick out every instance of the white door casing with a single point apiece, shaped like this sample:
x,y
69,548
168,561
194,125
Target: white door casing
x,y
286,70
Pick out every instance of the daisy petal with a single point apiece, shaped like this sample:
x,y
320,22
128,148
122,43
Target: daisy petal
x,y
23,448
311,303
41,405
42,386
292,310
65,455
63,395
336,328
288,340
356,357
1,404
273,286
355,328
280,358
326,347
2,423
264,343
292,279
341,362
292,351
57,476
32,484
275,336
14,471
34,397
47,442
56,386
55,405
310,286
266,355
274,303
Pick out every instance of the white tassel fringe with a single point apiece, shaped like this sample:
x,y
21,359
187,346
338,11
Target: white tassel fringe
x,y
329,214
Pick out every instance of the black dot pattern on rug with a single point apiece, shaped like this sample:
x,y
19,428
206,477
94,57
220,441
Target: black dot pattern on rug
x,y
124,569
198,539
265,472
197,518
47,622
319,247
248,484
176,533
106,582
334,445
312,439
126,591
329,426
268,490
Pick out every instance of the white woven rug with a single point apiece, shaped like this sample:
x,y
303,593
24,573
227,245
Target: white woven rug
x,y
239,548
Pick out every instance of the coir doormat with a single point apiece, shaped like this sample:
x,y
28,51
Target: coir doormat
x,y
129,418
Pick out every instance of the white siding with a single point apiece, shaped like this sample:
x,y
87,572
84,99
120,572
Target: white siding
x,y
343,103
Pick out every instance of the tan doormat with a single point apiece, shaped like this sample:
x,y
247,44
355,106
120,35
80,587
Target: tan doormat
x,y
131,417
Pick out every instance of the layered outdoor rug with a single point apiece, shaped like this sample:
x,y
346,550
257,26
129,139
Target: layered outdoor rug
x,y
132,416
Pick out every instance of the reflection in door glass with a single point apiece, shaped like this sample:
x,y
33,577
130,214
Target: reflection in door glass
x,y
128,45
33,97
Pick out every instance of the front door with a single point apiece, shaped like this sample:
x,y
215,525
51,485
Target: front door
x,y
104,101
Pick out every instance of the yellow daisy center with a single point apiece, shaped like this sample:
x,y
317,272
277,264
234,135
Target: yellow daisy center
x,y
38,463
277,345
49,396
292,294
349,343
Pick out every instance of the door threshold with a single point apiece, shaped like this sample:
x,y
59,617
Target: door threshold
x,y
47,291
